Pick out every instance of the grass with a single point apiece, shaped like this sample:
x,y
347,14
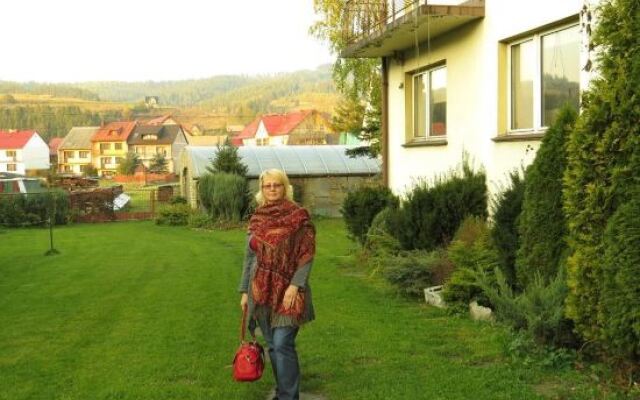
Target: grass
x,y
136,311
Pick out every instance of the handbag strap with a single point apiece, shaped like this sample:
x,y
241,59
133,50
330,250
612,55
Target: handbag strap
x,y
243,326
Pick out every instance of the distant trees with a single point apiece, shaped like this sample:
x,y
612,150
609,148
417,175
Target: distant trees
x,y
158,163
53,121
129,164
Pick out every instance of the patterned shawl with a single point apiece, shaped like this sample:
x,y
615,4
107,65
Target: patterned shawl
x,y
285,241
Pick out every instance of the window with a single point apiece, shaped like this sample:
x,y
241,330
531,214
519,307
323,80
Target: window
x,y
430,103
84,154
118,146
161,150
11,154
105,146
67,168
544,75
11,168
262,141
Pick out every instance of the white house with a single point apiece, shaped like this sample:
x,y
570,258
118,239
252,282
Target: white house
x,y
485,77
22,152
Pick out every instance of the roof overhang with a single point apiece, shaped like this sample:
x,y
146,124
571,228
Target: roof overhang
x,y
424,23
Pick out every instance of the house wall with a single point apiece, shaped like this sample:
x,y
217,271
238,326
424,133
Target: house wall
x,y
475,56
35,154
17,160
69,160
313,130
98,154
148,151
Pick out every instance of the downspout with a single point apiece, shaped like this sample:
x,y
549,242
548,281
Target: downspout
x,y
384,134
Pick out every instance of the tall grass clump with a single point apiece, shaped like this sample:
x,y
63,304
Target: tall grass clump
x,y
225,196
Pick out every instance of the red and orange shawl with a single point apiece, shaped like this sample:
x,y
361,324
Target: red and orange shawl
x,y
284,240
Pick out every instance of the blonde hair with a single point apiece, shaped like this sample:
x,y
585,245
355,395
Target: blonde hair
x,y
281,177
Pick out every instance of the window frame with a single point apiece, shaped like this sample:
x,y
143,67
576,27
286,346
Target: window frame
x,y
536,38
12,167
428,135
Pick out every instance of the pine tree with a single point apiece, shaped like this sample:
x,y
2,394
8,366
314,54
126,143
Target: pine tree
x,y
228,160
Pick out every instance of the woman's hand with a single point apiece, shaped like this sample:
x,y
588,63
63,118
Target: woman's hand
x,y
289,297
244,300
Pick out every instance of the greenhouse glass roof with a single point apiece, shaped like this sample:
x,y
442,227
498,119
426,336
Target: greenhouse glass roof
x,y
325,160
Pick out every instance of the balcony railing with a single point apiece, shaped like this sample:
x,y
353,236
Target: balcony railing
x,y
365,18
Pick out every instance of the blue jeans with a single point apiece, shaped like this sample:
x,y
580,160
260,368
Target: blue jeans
x,y
281,342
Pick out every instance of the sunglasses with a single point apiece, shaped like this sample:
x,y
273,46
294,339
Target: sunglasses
x,y
272,186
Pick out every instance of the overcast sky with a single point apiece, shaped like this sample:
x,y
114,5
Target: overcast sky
x,y
133,40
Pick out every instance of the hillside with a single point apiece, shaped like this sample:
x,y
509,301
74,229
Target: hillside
x,y
211,103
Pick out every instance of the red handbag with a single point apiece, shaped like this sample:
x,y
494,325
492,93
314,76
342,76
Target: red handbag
x,y
248,363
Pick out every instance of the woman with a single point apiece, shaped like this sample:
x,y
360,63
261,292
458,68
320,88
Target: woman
x,y
274,284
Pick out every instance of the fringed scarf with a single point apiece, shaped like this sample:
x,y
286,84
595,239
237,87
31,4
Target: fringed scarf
x,y
285,241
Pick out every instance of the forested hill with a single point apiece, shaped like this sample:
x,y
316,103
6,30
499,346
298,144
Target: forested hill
x,y
216,90
211,103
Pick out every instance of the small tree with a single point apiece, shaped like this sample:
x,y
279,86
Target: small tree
x,y
129,164
90,171
159,163
227,160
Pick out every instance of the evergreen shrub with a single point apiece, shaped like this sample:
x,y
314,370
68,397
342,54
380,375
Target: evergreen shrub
x,y
413,271
225,196
471,253
431,214
621,286
542,224
504,232
362,205
603,159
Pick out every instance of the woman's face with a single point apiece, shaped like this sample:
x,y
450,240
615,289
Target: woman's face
x,y
272,189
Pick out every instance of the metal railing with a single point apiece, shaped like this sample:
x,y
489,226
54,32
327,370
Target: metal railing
x,y
365,18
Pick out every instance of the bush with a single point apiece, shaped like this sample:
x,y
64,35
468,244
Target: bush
x,y
538,311
178,200
413,271
173,214
361,206
224,196
621,288
604,159
430,215
542,225
34,208
200,220
504,233
471,253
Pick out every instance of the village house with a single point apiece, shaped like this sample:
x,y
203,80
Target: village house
x,y
295,128
481,77
109,146
150,140
74,153
23,152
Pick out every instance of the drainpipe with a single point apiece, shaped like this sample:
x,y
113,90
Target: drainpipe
x,y
384,134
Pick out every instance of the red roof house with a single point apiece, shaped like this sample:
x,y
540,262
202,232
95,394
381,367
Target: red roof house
x,y
299,127
54,143
21,151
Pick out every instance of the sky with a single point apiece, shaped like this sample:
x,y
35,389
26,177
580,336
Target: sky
x,y
140,40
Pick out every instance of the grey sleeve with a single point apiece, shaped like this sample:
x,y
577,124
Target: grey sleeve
x,y
249,260
301,277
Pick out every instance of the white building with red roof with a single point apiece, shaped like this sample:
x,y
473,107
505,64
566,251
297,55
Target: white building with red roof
x,y
305,127
22,152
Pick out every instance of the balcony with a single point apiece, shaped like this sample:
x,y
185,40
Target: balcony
x,y
378,28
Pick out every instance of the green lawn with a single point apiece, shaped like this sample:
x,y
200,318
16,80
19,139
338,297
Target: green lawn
x,y
136,311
